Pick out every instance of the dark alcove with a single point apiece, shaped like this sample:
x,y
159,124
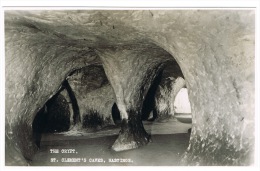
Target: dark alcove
x,y
149,101
116,114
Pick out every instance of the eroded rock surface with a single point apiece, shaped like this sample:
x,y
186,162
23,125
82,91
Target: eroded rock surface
x,y
93,94
100,100
165,97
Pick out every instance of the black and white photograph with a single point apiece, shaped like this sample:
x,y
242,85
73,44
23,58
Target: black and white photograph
x,y
129,87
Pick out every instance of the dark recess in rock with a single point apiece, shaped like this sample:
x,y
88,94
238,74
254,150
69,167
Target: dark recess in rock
x,y
75,107
39,124
149,101
171,69
54,116
93,120
58,118
116,114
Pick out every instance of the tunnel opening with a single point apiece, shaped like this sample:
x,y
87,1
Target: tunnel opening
x,y
166,107
59,114
159,100
182,107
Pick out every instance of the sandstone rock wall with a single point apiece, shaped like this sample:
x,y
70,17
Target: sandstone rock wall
x,y
92,92
100,100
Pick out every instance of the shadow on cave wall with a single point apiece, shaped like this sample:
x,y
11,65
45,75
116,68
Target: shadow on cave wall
x,y
93,120
73,99
149,101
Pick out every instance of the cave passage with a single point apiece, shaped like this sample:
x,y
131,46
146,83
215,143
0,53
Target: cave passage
x,y
93,123
118,55
55,115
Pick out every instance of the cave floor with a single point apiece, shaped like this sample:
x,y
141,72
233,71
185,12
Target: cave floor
x,y
169,141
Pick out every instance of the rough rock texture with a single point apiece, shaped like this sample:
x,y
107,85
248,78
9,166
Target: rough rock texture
x,y
165,96
158,103
93,93
214,49
100,100
36,64
65,94
132,134
130,71
172,80
87,79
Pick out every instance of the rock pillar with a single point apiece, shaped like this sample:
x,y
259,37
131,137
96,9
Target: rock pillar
x,y
130,71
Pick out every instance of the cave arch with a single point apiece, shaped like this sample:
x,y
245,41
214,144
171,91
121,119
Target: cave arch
x,y
224,97
162,92
55,115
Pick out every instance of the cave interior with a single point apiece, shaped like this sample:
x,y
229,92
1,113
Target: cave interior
x,y
117,74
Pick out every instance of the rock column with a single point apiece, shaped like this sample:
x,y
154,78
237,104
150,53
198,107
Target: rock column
x,y
130,72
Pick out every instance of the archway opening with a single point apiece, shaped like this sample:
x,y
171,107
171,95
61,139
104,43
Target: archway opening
x,y
182,107
87,96
53,117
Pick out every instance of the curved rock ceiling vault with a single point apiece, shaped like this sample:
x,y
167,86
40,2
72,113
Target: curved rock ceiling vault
x,y
214,49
